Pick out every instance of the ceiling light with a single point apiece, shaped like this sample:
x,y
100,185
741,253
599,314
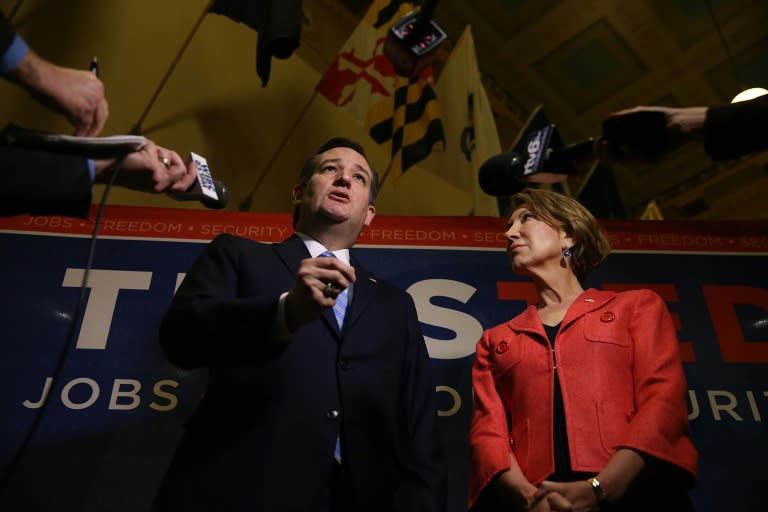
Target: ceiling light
x,y
749,94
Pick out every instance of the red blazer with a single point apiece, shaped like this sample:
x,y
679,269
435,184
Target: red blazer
x,y
622,382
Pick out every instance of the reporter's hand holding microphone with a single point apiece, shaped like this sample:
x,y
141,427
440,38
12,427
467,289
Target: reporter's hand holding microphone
x,y
152,169
645,135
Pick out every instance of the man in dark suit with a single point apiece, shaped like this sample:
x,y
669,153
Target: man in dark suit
x,y
294,376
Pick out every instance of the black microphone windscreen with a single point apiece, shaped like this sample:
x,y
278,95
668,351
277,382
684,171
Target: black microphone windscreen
x,y
223,197
562,160
500,175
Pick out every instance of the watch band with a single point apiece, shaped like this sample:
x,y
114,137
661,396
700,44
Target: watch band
x,y
597,489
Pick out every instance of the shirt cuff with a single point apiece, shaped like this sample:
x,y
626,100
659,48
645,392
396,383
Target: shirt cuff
x,y
280,332
13,55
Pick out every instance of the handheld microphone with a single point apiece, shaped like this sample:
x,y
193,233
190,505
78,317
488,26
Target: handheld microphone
x,y
508,173
537,156
211,193
533,162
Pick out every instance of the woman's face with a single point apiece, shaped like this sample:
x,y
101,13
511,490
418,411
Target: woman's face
x,y
532,243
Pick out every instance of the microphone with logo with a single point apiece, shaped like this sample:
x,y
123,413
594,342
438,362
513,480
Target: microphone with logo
x,y
211,193
538,156
412,42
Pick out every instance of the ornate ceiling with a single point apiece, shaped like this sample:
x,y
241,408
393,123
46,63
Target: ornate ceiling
x,y
579,60
582,60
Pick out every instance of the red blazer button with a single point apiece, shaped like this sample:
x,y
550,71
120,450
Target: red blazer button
x,y
502,347
607,317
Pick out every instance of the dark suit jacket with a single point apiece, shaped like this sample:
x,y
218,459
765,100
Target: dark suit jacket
x,y
38,182
42,183
736,129
7,33
263,436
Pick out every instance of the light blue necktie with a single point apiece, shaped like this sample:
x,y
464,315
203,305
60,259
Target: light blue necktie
x,y
339,309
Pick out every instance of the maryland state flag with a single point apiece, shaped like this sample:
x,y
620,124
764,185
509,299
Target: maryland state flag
x,y
399,113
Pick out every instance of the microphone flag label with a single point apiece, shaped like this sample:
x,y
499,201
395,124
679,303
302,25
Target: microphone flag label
x,y
537,143
204,176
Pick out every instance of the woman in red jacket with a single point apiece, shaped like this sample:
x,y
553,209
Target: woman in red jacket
x,y
579,400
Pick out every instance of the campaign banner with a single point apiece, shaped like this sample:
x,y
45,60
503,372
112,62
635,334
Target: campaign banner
x,y
99,411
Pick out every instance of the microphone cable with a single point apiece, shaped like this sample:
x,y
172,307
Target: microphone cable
x,y
70,339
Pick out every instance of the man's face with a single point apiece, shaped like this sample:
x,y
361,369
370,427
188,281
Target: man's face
x,y
339,190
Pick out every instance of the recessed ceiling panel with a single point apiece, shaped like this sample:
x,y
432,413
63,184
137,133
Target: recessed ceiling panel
x,y
591,66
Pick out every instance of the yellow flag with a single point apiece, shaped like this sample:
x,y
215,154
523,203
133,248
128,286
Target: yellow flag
x,y
470,129
652,212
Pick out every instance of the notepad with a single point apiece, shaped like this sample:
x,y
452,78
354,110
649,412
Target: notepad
x,y
92,147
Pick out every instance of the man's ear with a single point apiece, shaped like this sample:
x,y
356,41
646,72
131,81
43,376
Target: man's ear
x,y
369,215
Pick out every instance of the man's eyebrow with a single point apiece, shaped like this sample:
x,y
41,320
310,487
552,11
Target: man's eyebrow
x,y
322,163
338,161
366,171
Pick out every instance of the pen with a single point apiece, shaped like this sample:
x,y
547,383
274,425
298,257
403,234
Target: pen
x,y
95,66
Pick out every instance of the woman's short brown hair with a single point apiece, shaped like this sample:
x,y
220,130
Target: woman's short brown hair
x,y
564,213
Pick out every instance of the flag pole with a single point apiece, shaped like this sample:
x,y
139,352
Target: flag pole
x,y
137,127
386,173
14,10
245,204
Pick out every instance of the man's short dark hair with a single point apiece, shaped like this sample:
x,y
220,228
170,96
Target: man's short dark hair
x,y
337,142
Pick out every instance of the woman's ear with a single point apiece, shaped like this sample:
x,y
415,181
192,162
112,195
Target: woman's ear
x,y
566,242
296,194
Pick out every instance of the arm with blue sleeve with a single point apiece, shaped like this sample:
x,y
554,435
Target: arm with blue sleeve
x,y
34,181
43,181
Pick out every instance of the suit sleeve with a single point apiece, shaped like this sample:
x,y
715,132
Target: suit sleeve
x,y
736,129
660,423
7,33
43,183
209,323
40,182
490,453
422,484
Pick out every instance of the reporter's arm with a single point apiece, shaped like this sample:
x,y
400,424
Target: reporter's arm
x,y
727,131
736,129
43,183
77,94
